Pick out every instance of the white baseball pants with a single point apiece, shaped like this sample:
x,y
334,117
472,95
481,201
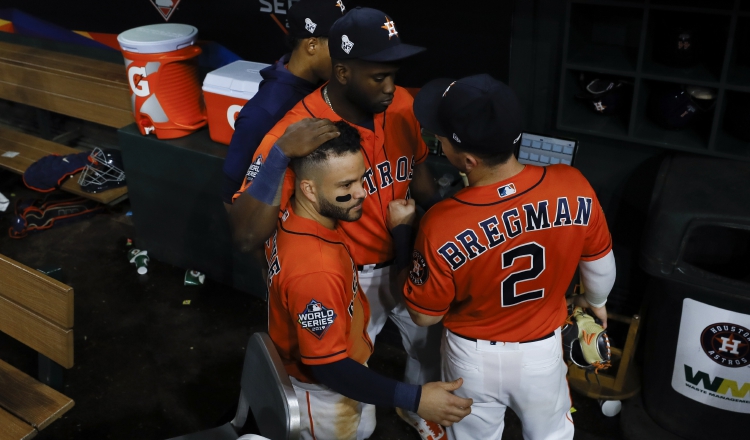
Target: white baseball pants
x,y
327,415
527,377
422,344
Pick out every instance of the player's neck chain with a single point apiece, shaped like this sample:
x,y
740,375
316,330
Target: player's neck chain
x,y
328,101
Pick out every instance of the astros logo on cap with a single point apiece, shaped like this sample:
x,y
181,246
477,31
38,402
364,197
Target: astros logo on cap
x,y
340,4
390,27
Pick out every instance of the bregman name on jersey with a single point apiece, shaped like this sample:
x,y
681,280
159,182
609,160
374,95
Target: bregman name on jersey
x,y
509,225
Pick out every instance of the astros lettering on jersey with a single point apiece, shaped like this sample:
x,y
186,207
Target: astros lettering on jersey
x,y
496,259
390,152
317,313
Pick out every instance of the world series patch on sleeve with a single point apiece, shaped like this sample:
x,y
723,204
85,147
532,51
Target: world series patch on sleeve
x,y
316,318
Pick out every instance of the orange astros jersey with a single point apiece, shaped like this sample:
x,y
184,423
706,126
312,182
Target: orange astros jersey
x,y
390,153
317,313
496,260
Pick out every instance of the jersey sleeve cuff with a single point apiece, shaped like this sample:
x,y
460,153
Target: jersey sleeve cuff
x,y
422,158
322,360
424,310
407,396
600,254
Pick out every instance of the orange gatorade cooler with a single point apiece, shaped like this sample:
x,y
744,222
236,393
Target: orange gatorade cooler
x,y
162,68
226,90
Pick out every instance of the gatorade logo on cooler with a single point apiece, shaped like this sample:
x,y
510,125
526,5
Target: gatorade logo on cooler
x,y
138,83
226,91
232,113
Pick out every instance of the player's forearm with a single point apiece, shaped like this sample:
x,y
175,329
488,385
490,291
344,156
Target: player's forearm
x,y
252,222
598,277
253,217
423,188
355,381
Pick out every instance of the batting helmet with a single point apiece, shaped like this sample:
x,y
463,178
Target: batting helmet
x,y
604,95
675,107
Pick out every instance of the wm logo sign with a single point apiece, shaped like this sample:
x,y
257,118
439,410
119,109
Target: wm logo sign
x,y
718,385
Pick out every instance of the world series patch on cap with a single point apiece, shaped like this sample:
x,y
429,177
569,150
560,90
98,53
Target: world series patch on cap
x,y
370,35
313,18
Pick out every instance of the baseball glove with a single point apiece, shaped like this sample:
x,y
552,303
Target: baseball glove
x,y
585,342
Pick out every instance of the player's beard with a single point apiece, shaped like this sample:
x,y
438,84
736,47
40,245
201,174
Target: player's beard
x,y
330,210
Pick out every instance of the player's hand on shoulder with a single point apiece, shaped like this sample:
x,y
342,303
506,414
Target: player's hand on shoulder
x,y
303,137
401,212
438,403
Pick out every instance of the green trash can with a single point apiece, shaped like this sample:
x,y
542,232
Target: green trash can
x,y
696,368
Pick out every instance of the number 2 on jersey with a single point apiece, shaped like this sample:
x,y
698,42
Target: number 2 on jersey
x,y
508,295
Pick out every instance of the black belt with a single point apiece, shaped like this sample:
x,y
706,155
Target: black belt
x,y
377,266
495,342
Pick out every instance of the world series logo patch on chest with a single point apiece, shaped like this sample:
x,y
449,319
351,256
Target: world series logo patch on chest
x,y
316,318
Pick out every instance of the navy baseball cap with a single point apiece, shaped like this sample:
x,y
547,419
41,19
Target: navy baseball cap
x,y
313,18
671,107
370,35
478,113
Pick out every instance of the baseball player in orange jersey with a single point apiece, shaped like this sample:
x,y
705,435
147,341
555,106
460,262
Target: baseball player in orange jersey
x,y
317,312
494,261
365,47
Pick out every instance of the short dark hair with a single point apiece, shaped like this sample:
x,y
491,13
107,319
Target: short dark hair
x,y
348,141
489,159
356,61
292,42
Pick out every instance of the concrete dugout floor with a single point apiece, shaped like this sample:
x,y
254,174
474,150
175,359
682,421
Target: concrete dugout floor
x,y
149,367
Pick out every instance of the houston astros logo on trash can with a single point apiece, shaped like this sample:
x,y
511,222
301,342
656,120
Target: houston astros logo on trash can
x,y
727,344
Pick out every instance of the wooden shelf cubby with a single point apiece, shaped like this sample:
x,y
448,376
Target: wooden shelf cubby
x,y
633,41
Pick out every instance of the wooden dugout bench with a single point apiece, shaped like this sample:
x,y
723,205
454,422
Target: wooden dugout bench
x,y
76,86
37,311
31,148
84,88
